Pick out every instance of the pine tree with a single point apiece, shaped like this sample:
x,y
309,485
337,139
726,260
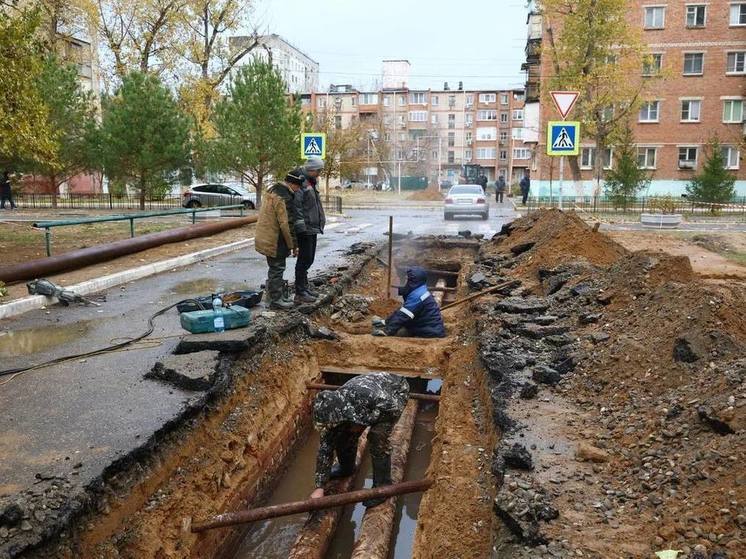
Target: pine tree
x,y
714,184
143,135
625,179
257,127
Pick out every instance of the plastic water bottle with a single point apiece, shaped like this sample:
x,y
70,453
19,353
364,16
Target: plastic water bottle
x,y
217,308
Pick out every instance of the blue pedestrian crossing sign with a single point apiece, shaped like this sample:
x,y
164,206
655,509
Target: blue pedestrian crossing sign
x,y
313,145
563,138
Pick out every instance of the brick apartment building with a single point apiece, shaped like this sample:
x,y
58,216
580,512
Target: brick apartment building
x,y
700,47
434,132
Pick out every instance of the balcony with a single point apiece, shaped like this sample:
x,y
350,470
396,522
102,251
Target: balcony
x,y
533,51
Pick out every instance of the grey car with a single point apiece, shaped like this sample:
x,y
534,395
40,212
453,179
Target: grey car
x,y
214,194
466,199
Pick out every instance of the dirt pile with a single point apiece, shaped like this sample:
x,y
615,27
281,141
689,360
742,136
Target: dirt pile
x,y
427,195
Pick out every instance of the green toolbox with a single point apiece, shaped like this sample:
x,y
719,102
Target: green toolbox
x,y
201,322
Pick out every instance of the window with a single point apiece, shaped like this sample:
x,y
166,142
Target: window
x,y
687,158
503,117
386,100
693,63
451,158
469,137
468,154
730,157
451,139
434,100
519,96
503,135
369,98
690,110
321,102
738,13
486,133
518,114
521,153
469,100
434,154
655,17
503,154
417,116
417,98
402,136
337,122
434,118
733,111
649,111
487,97
486,115
695,15
451,100
736,63
504,99
353,100
402,100
646,157
401,120
486,153
469,119
652,65
451,121
588,158
517,133
387,136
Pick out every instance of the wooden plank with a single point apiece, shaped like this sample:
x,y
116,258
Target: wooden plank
x,y
378,522
365,371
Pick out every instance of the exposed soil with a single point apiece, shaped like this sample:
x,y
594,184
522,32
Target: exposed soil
x,y
428,195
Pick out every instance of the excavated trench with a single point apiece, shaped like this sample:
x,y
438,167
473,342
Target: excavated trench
x,y
257,447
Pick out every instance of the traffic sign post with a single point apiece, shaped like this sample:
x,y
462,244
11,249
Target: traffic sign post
x,y
563,138
313,145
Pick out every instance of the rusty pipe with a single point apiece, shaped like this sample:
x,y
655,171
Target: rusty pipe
x,y
100,253
412,395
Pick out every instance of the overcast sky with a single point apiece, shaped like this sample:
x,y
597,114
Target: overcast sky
x,y
480,42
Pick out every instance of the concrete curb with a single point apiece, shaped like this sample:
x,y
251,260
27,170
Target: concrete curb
x,y
15,308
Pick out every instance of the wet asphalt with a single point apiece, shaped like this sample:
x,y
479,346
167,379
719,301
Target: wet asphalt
x,y
82,415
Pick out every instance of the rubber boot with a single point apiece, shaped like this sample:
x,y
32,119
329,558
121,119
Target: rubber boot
x,y
338,472
381,476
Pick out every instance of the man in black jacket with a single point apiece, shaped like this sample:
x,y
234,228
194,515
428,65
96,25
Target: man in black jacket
x,y
6,191
310,222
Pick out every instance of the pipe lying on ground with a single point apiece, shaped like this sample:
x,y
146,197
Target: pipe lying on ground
x,y
412,395
511,283
378,522
314,538
310,505
75,259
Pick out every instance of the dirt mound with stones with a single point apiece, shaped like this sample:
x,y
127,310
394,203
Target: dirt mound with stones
x,y
426,196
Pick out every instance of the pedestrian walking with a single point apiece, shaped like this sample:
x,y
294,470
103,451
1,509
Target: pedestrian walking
x,y
275,235
482,181
500,188
374,400
310,222
6,191
525,185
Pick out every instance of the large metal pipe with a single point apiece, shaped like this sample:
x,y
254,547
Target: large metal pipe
x,y
75,259
412,395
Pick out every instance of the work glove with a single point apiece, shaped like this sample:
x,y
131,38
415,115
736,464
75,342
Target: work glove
x,y
379,332
378,322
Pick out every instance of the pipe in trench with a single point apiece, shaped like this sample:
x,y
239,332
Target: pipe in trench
x,y
100,253
378,522
412,395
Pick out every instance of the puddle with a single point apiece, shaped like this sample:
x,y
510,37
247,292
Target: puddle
x,y
206,286
14,343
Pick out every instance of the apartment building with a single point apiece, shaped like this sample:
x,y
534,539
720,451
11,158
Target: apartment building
x,y
699,49
435,132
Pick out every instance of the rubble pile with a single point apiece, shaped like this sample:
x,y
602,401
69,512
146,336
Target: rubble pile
x,y
350,308
651,359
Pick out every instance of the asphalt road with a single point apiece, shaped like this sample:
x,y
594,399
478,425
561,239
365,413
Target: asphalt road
x,y
88,413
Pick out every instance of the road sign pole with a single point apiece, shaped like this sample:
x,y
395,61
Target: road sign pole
x,y
561,178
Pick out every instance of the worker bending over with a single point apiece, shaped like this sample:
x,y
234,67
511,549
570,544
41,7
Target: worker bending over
x,y
374,400
419,317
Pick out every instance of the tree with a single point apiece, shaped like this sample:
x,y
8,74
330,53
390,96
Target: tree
x,y
24,129
257,127
70,118
595,50
626,178
715,184
143,135
345,146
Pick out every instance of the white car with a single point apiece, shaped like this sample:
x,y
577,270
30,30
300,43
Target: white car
x,y
206,195
466,199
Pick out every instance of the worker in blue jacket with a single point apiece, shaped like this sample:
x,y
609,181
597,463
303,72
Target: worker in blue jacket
x,y
419,317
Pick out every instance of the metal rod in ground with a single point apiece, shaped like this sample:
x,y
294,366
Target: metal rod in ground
x,y
412,395
511,283
378,522
314,538
391,253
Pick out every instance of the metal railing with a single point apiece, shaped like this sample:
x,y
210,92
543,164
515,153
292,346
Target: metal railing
x,y
47,225
735,209
332,204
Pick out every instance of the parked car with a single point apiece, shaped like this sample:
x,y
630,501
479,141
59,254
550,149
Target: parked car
x,y
466,199
207,195
446,184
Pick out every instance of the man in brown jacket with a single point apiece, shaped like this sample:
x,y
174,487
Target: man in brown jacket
x,y
275,235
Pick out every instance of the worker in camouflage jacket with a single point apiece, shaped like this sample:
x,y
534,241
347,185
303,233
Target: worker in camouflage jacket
x,y
374,400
